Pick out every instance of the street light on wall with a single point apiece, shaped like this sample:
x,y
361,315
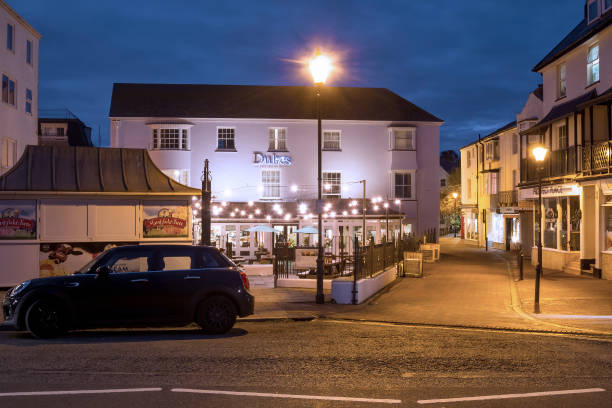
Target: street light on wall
x,y
539,154
320,67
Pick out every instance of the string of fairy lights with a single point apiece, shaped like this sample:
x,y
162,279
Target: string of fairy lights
x,y
225,208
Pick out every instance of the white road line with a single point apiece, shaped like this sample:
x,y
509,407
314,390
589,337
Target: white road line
x,y
76,392
295,396
505,396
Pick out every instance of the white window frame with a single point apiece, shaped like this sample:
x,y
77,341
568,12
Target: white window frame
x,y
277,139
158,142
270,187
223,128
561,80
412,184
336,187
591,64
558,132
8,160
327,134
392,137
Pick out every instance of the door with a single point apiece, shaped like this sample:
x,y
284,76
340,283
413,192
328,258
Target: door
x,y
508,232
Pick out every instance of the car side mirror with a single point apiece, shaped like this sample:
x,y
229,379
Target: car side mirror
x,y
103,271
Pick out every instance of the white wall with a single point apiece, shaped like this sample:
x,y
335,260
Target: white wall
x,y
15,123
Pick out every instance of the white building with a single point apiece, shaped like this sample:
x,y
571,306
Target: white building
x,y
575,125
19,76
262,145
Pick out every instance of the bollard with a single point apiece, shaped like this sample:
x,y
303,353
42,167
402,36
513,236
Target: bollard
x,y
520,257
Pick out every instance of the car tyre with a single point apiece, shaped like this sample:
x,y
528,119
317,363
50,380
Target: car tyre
x,y
46,318
216,315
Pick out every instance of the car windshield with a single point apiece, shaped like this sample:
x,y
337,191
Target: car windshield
x,y
90,264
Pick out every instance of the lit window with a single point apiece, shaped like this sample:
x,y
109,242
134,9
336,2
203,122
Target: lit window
x,y
270,179
562,86
29,52
28,105
593,10
593,65
332,184
9,152
494,183
403,139
170,139
226,139
278,139
403,184
10,37
331,140
178,175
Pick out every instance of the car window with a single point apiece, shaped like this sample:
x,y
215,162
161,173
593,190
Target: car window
x,y
214,259
173,263
177,258
133,260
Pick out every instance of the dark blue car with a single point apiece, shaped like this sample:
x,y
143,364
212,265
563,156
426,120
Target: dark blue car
x,y
134,286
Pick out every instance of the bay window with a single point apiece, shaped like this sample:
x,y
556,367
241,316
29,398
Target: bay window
x,y
169,139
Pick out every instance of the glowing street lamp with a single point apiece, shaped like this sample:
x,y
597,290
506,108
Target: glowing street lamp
x,y
455,195
320,67
539,154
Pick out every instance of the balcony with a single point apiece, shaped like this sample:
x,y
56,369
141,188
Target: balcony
x,y
560,163
596,158
52,138
508,198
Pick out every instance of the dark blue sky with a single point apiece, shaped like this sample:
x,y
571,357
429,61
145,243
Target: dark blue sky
x,y
468,62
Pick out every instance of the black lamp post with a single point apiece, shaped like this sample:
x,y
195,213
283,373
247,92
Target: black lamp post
x,y
320,67
539,154
455,195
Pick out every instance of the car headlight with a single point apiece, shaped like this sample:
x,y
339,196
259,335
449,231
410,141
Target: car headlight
x,y
17,289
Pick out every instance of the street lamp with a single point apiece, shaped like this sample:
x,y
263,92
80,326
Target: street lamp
x,y
320,67
539,154
455,195
386,205
398,202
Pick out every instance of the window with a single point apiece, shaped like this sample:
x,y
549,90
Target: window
x,y
551,218
403,184
170,139
331,140
442,182
469,158
562,137
28,105
403,139
136,260
10,37
278,139
245,237
593,65
9,152
593,10
332,184
29,52
494,183
514,180
492,150
270,179
515,143
226,139
179,175
59,131
8,90
561,86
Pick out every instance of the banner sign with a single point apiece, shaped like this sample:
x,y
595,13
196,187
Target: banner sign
x,y
58,259
165,221
17,221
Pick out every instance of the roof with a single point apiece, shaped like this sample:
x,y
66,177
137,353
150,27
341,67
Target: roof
x,y
539,92
562,110
582,32
491,135
89,169
20,19
264,102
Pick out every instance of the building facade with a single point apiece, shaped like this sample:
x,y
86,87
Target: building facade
x,y
575,126
19,76
262,145
62,127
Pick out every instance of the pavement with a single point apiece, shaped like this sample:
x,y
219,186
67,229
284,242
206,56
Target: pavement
x,y
468,287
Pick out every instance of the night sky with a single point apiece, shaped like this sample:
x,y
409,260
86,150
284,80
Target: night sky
x,y
468,62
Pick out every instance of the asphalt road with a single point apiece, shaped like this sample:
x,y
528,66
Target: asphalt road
x,y
387,365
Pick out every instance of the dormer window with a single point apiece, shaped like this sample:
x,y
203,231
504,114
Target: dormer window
x,y
593,10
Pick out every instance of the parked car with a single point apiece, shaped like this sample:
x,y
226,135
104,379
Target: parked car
x,y
133,286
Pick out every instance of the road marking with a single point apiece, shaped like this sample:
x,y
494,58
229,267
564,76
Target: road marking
x,y
505,396
76,392
295,396
562,316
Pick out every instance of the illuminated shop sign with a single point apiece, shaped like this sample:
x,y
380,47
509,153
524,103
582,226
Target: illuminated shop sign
x,y
551,191
271,159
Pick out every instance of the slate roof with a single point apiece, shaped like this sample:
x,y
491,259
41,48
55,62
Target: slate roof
x,y
89,169
562,110
492,134
264,102
582,32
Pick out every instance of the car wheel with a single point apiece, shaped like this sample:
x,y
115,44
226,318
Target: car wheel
x,y
216,315
46,318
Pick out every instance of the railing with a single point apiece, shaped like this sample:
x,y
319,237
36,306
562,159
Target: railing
x,y
52,138
596,157
508,198
560,163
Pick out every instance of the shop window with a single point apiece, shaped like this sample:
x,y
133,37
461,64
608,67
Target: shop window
x,y
575,218
563,225
551,219
332,184
230,235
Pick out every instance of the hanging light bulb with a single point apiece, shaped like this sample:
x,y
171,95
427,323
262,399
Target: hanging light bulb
x,y
257,211
250,203
294,188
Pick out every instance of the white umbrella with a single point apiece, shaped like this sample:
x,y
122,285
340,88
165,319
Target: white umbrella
x,y
262,228
308,230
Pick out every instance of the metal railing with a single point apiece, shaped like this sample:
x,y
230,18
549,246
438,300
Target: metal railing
x,y
508,198
596,157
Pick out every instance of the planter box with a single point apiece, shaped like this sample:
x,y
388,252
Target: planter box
x,y
342,288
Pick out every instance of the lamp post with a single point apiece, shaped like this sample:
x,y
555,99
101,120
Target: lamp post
x,y
398,202
386,205
539,154
320,67
455,195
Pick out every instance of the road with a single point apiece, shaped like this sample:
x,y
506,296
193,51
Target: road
x,y
309,362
